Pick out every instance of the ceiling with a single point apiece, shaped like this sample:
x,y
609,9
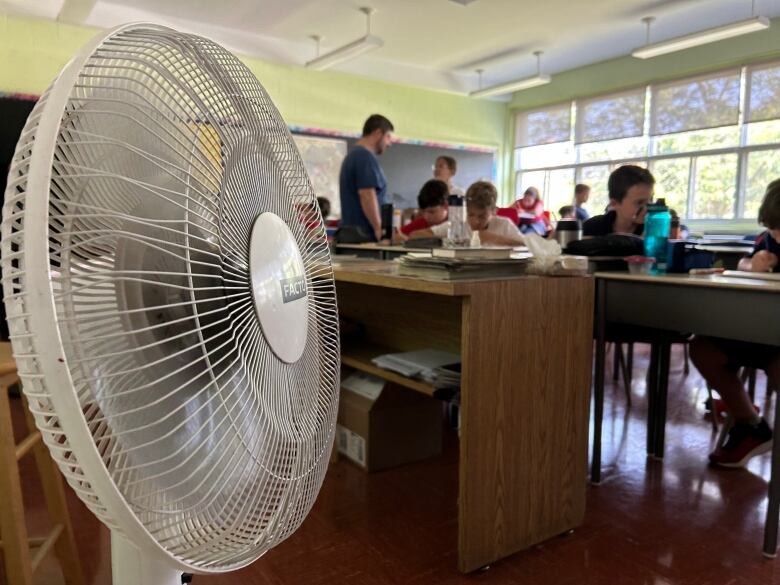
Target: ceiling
x,y
437,44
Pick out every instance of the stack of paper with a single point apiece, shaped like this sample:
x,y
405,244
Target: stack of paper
x,y
459,268
426,364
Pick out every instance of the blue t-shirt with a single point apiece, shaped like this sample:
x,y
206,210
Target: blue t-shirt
x,y
360,170
581,213
766,242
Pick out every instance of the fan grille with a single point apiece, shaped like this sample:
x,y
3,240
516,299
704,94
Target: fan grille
x,y
168,149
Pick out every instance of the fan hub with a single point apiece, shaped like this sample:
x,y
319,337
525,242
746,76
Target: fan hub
x,y
279,286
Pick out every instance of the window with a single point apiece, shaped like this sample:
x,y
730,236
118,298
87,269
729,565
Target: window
x,y
545,126
596,177
763,167
693,104
715,187
712,142
610,117
559,190
672,176
763,93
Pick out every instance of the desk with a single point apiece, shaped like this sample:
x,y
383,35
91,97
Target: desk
x,y
526,351
734,308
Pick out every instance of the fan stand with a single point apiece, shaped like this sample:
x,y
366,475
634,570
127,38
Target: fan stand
x,y
132,566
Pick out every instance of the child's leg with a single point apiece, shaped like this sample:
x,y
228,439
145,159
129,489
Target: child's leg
x,y
712,362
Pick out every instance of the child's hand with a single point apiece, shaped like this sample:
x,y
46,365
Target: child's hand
x,y
763,261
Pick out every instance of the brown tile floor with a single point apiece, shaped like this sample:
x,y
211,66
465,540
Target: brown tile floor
x,y
651,522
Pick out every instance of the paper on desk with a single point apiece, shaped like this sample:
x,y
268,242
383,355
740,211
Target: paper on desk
x,y
364,384
412,363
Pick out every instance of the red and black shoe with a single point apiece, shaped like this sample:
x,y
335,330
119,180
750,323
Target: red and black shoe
x,y
744,442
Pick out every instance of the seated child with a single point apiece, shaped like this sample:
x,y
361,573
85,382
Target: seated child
x,y
567,212
531,211
630,190
324,205
493,230
432,201
719,360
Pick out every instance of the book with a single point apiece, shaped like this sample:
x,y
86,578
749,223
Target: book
x,y
772,276
492,253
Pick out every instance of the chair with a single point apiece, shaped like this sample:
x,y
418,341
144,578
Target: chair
x,y
657,386
20,561
510,213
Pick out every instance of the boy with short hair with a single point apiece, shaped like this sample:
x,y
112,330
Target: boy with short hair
x,y
432,202
581,196
630,190
494,230
719,360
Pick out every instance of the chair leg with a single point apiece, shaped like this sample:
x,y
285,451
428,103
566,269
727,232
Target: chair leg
x,y
630,362
18,561
687,359
713,412
616,357
626,376
752,384
773,508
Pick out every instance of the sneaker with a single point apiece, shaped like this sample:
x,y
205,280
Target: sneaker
x,y
744,442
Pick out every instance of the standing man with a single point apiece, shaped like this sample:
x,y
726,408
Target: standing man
x,y
581,196
362,184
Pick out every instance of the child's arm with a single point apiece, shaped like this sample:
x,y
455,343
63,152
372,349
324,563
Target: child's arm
x,y
399,237
761,261
423,233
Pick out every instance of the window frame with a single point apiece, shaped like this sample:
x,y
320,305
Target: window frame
x,y
742,149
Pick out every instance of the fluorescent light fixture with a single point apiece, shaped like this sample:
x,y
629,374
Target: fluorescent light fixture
x,y
702,38
511,86
349,51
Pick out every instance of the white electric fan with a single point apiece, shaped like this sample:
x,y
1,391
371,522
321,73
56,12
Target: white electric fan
x,y
171,303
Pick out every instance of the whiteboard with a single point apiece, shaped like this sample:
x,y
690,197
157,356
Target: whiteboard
x,y
322,158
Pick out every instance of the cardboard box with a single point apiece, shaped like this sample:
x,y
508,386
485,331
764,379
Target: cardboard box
x,y
383,425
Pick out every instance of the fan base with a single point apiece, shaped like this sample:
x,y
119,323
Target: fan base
x,y
132,566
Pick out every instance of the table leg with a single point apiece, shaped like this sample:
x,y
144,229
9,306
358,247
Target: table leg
x,y
773,508
598,383
652,397
664,351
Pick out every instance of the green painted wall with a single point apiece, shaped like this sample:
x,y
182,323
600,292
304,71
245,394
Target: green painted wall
x,y
32,51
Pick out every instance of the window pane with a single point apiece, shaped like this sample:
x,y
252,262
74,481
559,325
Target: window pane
x,y
595,177
613,116
763,90
697,140
613,149
716,182
529,179
692,104
764,132
551,124
547,155
560,189
763,167
671,182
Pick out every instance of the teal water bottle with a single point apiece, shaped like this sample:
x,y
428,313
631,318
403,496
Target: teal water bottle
x,y
657,226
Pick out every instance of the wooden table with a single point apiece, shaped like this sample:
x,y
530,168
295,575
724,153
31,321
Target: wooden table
x,y
526,351
734,308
